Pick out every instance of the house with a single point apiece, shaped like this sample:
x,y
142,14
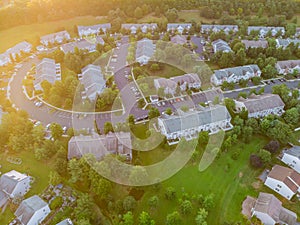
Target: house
x,y
284,181
32,211
291,157
144,27
179,39
297,34
18,49
144,51
221,46
84,31
100,145
93,81
58,37
263,31
179,27
4,59
235,74
284,43
268,209
48,70
13,52
88,44
189,124
207,29
259,106
255,44
288,66
190,81
13,184
66,222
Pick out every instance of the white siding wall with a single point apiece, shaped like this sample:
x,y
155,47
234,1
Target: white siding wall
x,y
265,218
22,188
39,216
283,190
291,161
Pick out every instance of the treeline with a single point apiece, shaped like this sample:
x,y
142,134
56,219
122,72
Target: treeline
x,y
27,12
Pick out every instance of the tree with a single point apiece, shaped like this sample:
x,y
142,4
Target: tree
x,y
138,13
153,202
83,207
291,116
240,58
169,111
186,207
247,132
272,146
208,202
108,127
129,203
173,219
145,219
203,138
170,193
172,15
153,113
56,131
255,161
264,155
201,217
75,170
130,119
154,67
269,72
54,178
128,218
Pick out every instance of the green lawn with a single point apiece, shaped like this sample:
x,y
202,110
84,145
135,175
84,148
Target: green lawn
x,y
166,71
193,15
229,180
32,32
38,169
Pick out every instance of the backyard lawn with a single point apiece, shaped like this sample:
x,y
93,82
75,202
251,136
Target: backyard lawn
x,y
193,15
166,71
38,169
32,32
229,180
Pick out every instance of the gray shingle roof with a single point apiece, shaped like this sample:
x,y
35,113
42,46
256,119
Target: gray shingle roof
x,y
28,207
265,29
82,44
92,79
237,71
179,39
150,26
99,145
45,70
145,47
258,103
18,47
288,64
50,37
104,26
190,120
65,222
220,45
255,44
171,26
226,28
8,181
294,151
285,42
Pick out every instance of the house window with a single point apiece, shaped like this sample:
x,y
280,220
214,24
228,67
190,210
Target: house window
x,y
276,189
294,162
278,185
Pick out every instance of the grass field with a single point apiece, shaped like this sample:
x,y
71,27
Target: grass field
x,y
229,180
38,169
193,15
32,32
166,71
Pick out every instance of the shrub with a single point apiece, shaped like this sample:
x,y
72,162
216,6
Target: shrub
x,y
56,203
